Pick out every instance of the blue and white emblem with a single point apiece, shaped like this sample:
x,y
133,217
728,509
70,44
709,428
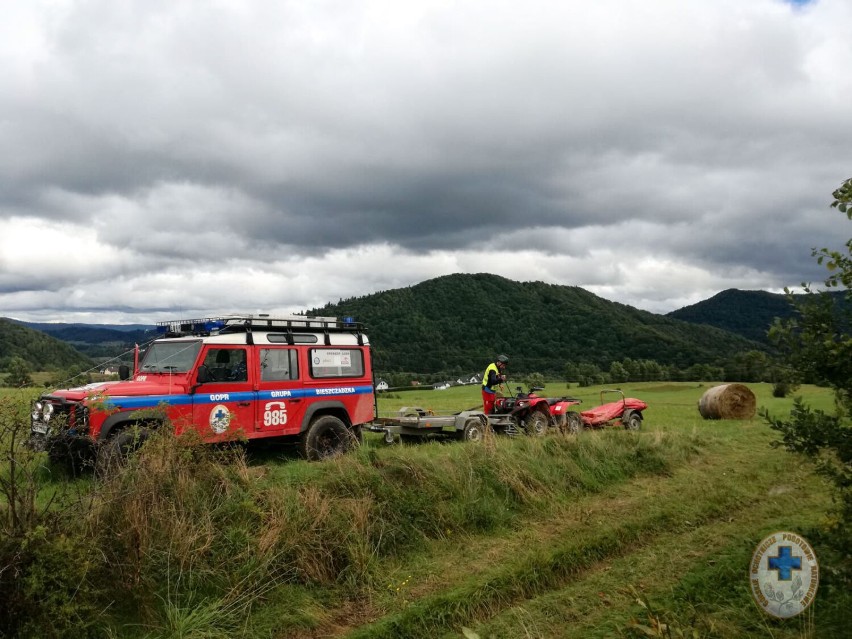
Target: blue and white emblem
x,y
220,418
784,575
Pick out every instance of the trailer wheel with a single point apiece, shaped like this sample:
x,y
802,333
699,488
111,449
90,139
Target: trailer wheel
x,y
536,424
473,431
327,436
632,421
572,423
388,437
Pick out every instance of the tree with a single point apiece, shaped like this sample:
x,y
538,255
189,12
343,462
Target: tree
x,y
819,345
19,373
617,373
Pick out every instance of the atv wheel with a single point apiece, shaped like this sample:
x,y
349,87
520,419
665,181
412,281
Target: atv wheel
x,y
536,424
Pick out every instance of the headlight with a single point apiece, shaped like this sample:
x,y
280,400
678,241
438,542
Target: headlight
x,y
42,411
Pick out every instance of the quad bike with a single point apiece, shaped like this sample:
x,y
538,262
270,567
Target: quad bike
x,y
533,415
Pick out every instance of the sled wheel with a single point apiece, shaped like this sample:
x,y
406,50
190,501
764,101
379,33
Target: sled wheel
x,y
327,436
536,424
572,423
633,421
473,431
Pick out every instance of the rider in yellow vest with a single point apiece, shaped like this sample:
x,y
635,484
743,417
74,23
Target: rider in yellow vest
x,y
493,376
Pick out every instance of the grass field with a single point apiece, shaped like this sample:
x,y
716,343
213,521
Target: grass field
x,y
606,534
680,541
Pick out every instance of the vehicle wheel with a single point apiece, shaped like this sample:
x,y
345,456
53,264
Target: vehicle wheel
x,y
327,436
572,423
633,421
536,424
119,446
473,431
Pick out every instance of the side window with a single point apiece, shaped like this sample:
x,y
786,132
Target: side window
x,y
227,364
336,362
278,364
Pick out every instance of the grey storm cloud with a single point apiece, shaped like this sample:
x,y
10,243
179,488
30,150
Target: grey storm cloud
x,y
289,139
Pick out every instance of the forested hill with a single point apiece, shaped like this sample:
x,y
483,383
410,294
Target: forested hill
x,y
40,351
97,340
746,313
456,323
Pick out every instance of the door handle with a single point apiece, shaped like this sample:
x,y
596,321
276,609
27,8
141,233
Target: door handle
x,y
243,403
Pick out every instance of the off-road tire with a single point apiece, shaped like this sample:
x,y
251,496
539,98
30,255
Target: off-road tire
x,y
118,447
326,437
536,424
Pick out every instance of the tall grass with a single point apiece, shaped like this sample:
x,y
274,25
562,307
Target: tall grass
x,y
188,540
185,536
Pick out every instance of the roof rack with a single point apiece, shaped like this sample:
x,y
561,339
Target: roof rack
x,y
260,322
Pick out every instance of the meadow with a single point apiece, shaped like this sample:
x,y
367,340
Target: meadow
x,y
608,533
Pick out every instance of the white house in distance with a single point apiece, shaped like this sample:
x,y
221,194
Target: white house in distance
x,y
381,385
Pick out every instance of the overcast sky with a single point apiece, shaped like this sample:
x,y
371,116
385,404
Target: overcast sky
x,y
171,158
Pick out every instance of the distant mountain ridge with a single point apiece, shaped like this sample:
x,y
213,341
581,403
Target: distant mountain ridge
x,y
39,350
455,323
746,313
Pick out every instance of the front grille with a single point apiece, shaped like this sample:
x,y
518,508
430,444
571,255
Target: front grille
x,y
69,418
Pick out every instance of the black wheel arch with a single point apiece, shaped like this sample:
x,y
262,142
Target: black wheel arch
x,y
119,421
318,409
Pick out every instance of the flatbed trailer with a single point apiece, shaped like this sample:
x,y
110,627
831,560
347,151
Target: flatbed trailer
x,y
412,423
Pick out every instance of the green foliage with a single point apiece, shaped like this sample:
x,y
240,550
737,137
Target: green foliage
x,y
454,324
19,373
819,344
39,351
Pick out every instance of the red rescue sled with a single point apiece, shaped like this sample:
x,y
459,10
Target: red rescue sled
x,y
626,412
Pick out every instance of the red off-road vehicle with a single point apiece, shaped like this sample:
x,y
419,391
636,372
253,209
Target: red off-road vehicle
x,y
249,376
534,414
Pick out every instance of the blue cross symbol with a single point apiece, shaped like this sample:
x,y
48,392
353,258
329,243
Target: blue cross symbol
x,y
785,563
220,415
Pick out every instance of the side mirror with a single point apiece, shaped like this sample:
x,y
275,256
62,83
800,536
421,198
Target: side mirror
x,y
124,372
203,375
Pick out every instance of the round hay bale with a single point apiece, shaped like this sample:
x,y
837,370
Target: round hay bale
x,y
728,401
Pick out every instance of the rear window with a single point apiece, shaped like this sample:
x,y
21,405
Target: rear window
x,y
336,362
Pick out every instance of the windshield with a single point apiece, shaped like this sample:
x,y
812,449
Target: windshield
x,y
170,357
